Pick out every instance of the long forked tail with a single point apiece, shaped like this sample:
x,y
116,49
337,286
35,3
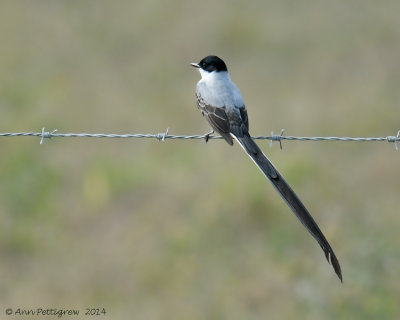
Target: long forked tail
x,y
290,197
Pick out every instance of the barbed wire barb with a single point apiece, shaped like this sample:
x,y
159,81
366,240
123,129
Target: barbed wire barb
x,y
162,136
47,134
165,135
277,138
394,139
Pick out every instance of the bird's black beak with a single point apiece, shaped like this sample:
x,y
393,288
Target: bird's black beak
x,y
194,64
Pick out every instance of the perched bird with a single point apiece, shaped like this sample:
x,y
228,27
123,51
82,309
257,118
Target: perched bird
x,y
221,102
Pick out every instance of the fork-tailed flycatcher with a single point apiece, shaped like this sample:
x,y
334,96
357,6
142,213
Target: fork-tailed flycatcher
x,y
221,102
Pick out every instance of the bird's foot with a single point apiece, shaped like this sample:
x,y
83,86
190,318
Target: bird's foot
x,y
207,135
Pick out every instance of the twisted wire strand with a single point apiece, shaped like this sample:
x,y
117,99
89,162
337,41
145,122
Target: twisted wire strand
x,y
165,135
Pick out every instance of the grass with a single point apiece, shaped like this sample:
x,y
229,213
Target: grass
x,y
185,230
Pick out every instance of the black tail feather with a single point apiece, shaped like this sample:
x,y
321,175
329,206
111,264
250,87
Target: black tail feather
x,y
290,197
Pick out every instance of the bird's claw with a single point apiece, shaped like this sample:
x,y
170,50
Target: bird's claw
x,y
207,136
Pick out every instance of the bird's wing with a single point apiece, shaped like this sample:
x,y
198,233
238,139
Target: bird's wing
x,y
217,118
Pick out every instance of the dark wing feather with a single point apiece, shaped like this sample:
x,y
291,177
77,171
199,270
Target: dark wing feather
x,y
217,118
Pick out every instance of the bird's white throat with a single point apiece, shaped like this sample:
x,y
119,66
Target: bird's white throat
x,y
211,76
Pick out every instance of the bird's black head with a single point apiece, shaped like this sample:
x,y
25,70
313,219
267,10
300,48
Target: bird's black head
x,y
211,63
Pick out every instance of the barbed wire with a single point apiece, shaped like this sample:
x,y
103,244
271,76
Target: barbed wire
x,y
165,135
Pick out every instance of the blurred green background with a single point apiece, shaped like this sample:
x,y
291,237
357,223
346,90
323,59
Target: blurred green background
x,y
184,229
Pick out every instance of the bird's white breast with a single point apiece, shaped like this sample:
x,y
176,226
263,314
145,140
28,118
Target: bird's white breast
x,y
218,90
